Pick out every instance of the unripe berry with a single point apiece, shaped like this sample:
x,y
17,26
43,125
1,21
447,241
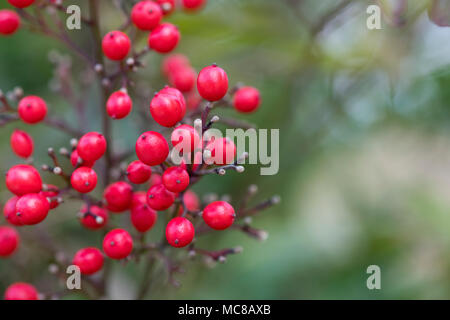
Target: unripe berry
x,y
219,215
22,143
146,15
176,93
164,38
192,5
151,148
167,6
119,105
21,291
21,3
246,99
76,160
212,83
191,201
9,240
9,211
116,45
185,138
159,198
22,179
32,109
9,22
84,179
223,150
173,63
183,79
51,193
89,260
94,219
91,146
32,208
179,232
138,172
117,244
143,217
175,179
166,109
118,196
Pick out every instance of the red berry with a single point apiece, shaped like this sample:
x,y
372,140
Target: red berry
x,y
166,109
9,240
51,192
9,211
22,179
212,83
183,79
176,93
78,162
246,99
223,151
151,148
119,105
89,260
32,208
9,22
193,100
138,172
154,180
139,197
159,198
167,6
164,38
186,138
191,201
143,217
219,215
21,143
117,244
175,179
91,146
118,196
116,45
173,63
32,109
21,3
146,15
192,5
84,179
179,232
21,291
95,218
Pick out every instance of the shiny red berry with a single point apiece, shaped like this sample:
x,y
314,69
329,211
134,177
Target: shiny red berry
x,y
22,143
183,79
116,45
167,6
164,38
186,138
118,196
143,217
50,192
117,244
175,179
146,15
159,198
179,232
9,22
152,148
84,179
76,160
9,211
219,215
138,172
174,62
32,208
9,240
94,218
192,5
176,93
89,260
119,105
21,291
91,146
212,83
166,109
21,3
246,99
22,179
32,109
223,151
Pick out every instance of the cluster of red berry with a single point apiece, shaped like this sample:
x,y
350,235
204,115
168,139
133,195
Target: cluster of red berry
x,y
33,200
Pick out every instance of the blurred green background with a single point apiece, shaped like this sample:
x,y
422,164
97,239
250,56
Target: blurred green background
x,y
364,149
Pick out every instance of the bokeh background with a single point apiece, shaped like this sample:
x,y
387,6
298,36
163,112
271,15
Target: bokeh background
x,y
364,125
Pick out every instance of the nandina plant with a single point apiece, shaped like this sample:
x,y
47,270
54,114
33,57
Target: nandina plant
x,y
144,182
